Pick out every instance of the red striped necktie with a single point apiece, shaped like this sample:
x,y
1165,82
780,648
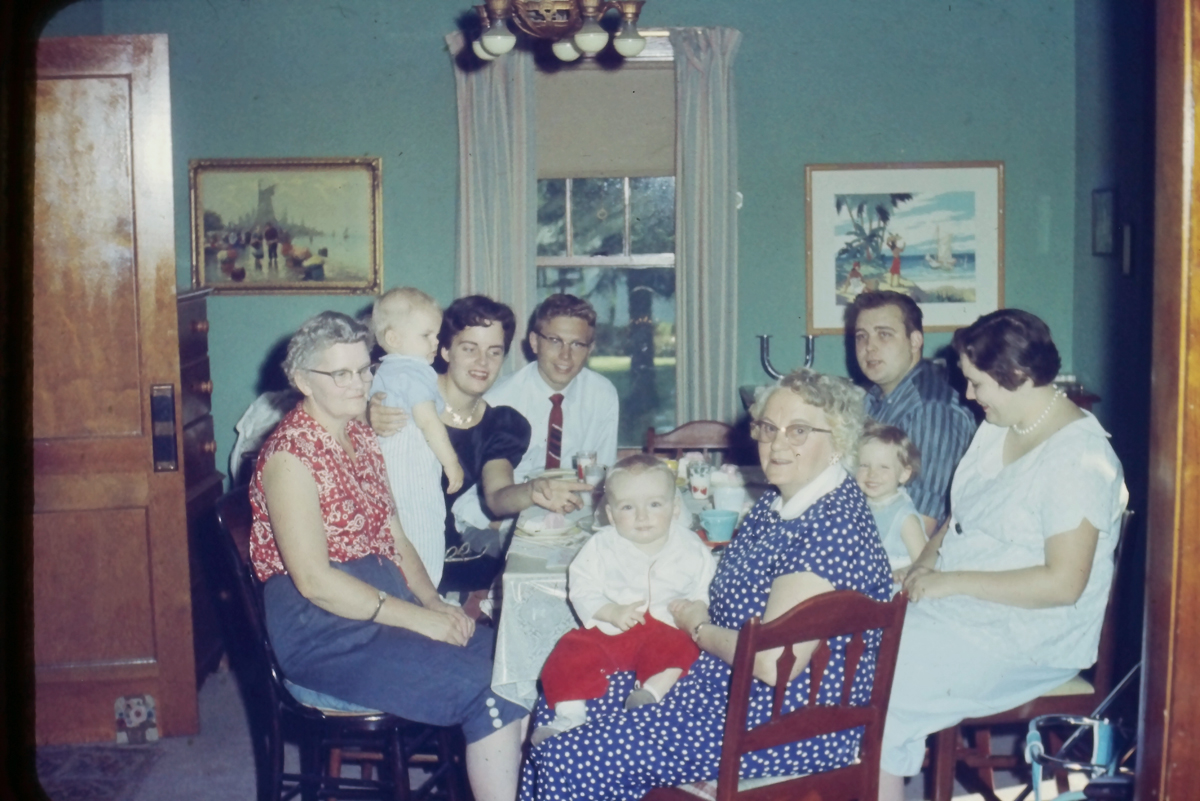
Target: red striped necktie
x,y
554,434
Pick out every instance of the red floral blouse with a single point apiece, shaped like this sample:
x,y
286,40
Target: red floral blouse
x,y
356,503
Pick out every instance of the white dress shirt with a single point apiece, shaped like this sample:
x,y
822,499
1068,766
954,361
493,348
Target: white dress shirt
x,y
590,411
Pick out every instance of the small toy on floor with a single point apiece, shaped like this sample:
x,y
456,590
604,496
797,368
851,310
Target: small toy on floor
x,y
137,723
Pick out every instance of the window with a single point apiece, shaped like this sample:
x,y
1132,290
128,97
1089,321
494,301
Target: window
x,y
611,241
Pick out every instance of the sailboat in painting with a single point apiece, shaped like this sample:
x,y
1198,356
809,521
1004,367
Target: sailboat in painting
x,y
944,260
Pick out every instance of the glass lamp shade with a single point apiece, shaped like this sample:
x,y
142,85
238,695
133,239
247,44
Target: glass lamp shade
x,y
498,39
591,38
480,51
628,42
566,50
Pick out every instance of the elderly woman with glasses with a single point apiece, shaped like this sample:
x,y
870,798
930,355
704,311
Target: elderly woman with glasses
x,y
350,610
814,533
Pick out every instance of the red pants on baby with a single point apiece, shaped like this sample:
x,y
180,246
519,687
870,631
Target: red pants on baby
x,y
580,664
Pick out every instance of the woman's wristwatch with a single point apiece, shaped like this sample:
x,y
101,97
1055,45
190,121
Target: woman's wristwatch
x,y
696,629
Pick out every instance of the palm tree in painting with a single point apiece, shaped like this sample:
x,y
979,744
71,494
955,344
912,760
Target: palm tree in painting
x,y
869,217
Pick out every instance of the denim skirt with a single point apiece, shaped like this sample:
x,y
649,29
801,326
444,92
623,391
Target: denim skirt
x,y
383,667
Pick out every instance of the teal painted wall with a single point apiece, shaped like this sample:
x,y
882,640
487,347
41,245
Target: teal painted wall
x,y
871,81
821,82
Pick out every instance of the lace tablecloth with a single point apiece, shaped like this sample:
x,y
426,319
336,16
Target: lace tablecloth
x,y
534,613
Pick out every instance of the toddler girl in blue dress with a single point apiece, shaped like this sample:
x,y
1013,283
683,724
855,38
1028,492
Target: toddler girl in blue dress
x,y
887,460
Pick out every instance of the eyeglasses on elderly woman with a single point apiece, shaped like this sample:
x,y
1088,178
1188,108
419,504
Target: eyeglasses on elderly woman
x,y
343,378
796,434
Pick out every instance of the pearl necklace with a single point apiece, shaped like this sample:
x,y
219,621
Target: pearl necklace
x,y
462,420
1023,431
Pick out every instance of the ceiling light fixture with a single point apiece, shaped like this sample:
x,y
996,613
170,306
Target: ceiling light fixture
x,y
573,26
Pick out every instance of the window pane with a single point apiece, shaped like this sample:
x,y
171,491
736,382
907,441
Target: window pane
x,y
652,206
552,217
635,338
598,216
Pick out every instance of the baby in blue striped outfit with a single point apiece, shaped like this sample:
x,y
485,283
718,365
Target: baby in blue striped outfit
x,y
405,322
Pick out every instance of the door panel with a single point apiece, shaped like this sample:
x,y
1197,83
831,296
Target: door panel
x,y
112,608
91,578
87,379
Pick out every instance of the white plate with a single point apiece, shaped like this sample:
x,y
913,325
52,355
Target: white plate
x,y
539,533
562,473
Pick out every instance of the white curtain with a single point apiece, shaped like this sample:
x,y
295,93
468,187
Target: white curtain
x,y
497,183
706,224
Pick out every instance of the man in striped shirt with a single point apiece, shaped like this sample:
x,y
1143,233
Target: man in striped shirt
x,y
910,392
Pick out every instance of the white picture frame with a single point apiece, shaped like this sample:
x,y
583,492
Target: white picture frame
x,y
934,231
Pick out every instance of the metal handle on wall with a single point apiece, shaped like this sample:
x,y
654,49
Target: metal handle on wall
x,y
764,354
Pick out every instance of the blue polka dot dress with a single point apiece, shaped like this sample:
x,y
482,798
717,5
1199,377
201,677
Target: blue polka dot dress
x,y
621,755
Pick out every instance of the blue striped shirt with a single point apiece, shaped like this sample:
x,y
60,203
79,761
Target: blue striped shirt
x,y
930,411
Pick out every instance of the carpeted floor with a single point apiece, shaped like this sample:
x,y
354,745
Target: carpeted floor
x,y
217,764
94,773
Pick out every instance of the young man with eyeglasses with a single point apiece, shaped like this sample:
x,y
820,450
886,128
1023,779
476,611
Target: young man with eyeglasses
x,y
911,393
570,408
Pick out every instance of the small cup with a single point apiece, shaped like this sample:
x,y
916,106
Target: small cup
x,y
584,460
698,479
718,524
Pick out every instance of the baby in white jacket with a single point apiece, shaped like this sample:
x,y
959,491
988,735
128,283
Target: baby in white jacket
x,y
620,584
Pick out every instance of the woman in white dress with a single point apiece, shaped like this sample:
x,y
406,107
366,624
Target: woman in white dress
x,y
1008,599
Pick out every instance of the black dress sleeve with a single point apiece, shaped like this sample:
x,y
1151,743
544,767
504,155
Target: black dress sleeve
x,y
507,436
503,433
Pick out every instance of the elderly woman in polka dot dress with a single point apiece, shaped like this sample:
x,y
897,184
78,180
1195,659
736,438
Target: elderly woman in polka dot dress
x,y
814,535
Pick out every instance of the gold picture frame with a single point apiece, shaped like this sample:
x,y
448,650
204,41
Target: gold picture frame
x,y
933,230
286,226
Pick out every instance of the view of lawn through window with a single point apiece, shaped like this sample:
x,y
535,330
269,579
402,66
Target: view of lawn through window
x,y
611,241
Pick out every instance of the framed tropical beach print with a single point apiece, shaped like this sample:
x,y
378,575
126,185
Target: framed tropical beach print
x,y
933,231
302,225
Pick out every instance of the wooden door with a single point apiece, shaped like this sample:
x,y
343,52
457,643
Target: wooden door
x,y
1169,733
112,611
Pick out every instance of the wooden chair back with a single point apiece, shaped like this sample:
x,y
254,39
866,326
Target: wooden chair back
x,y
822,619
706,436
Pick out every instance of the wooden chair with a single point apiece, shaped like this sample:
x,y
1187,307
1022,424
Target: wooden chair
x,y
705,436
832,614
327,737
1079,696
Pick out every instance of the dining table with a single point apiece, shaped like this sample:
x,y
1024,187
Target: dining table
x,y
534,609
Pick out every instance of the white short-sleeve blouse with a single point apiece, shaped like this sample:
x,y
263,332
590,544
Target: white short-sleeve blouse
x,y
1001,518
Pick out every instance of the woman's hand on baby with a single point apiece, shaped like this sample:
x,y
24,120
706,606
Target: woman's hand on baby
x,y
928,584
688,614
385,420
454,478
913,573
441,624
557,495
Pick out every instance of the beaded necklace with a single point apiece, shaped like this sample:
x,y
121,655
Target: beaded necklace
x,y
1023,431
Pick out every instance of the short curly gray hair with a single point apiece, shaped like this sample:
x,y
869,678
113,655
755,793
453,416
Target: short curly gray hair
x,y
840,399
318,333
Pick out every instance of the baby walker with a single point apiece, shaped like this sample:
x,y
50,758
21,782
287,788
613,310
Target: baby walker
x,y
1107,778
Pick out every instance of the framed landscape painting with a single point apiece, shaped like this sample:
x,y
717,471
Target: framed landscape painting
x,y
308,225
932,231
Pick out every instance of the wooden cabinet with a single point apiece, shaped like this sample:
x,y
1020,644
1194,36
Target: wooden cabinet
x,y
111,607
203,484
